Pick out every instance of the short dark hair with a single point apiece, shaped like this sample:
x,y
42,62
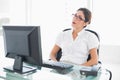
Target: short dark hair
x,y
87,14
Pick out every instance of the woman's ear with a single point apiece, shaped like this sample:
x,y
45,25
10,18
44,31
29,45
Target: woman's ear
x,y
86,23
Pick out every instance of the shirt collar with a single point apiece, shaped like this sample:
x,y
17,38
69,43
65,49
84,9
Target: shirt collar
x,y
81,32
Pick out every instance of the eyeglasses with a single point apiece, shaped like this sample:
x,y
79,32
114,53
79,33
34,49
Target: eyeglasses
x,y
78,17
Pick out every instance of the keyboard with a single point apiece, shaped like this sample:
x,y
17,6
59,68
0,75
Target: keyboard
x,y
57,65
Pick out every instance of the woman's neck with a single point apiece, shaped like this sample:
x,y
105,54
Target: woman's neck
x,y
77,30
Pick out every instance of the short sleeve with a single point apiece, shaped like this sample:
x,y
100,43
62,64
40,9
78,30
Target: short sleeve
x,y
93,41
59,39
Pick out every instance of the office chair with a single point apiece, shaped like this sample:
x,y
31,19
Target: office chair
x,y
59,54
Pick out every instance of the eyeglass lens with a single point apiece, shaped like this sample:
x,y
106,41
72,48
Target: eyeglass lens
x,y
79,17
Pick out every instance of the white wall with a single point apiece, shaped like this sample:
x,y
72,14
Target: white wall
x,y
4,6
106,17
18,12
106,23
4,13
109,54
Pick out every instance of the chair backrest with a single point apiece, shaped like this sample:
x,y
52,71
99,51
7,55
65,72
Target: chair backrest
x,y
59,54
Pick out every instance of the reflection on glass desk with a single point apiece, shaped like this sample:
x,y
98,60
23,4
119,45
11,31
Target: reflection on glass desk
x,y
50,74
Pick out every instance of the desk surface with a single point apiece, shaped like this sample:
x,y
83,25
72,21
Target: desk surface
x,y
50,74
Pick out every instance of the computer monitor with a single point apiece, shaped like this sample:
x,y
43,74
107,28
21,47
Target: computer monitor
x,y
23,43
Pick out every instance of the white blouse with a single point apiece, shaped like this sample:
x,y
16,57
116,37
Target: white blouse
x,y
76,51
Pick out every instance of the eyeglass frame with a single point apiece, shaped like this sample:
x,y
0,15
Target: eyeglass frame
x,y
78,17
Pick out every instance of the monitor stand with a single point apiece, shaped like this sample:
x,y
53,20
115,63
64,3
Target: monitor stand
x,y
25,69
19,68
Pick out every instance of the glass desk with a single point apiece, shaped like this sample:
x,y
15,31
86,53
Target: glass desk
x,y
50,74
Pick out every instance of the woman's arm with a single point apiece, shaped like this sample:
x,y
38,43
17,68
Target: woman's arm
x,y
54,52
94,58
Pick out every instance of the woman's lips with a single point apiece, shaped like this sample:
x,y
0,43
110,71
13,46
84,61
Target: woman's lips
x,y
73,22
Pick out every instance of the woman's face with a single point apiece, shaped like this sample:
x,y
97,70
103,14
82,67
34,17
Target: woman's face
x,y
78,21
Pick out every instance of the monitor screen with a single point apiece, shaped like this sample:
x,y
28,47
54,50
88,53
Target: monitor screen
x,y
23,43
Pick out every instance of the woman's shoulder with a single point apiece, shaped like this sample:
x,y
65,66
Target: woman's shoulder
x,y
91,32
91,35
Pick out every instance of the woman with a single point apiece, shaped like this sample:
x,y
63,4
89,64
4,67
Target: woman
x,y
77,44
